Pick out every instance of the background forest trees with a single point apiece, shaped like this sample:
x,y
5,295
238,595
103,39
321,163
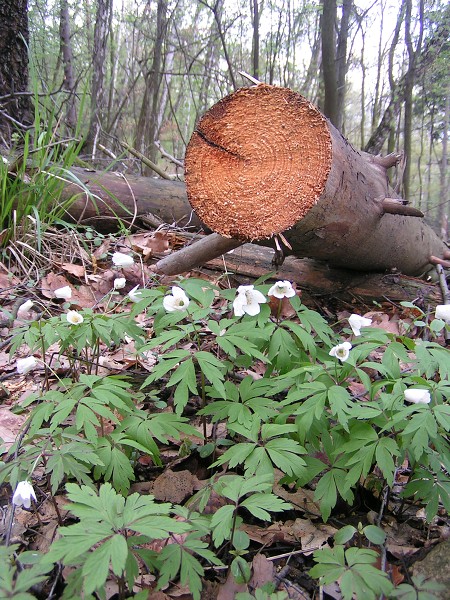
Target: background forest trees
x,y
142,72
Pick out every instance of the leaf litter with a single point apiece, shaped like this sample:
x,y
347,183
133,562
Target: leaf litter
x,y
287,544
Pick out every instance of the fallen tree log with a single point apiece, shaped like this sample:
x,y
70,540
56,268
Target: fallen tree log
x,y
264,161
168,200
101,198
264,165
318,282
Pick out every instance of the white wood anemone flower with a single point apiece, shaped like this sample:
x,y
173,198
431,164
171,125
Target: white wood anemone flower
x,y
443,312
74,318
23,494
282,289
247,301
122,260
25,365
177,300
24,309
65,293
356,322
417,396
134,295
120,283
341,351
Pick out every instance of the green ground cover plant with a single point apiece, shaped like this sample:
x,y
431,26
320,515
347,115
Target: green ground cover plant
x,y
300,417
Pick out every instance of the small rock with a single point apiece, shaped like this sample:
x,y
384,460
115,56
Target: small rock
x,y
436,566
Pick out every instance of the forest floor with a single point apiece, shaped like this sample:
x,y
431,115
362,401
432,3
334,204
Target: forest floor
x,y
281,552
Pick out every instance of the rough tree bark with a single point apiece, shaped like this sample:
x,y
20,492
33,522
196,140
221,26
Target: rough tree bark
x,y
101,33
69,83
147,130
413,54
15,105
334,59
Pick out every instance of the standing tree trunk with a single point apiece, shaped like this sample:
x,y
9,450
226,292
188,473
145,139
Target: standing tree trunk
x,y
254,4
101,33
341,61
329,17
413,55
443,172
148,119
69,83
15,105
334,59
217,9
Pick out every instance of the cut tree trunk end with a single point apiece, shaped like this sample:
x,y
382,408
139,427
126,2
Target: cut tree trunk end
x,y
264,161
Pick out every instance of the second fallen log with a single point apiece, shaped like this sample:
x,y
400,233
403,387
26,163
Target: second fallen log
x,y
265,161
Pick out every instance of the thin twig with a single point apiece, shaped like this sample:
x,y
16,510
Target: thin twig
x,y
148,162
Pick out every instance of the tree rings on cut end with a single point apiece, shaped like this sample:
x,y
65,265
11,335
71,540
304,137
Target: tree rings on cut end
x,y
257,162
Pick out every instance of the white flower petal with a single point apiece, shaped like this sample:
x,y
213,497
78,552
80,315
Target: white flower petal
x,y
64,292
247,301
25,365
341,351
23,494
356,322
238,305
417,396
443,312
134,295
74,318
119,283
177,300
122,260
282,289
24,308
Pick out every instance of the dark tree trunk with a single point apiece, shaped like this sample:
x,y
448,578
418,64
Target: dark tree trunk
x,y
341,61
101,32
255,38
67,57
15,106
329,17
147,131
413,55
334,59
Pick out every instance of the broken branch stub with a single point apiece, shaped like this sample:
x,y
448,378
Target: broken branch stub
x,y
242,162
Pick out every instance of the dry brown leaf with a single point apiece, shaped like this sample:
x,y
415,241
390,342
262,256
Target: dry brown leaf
x,y
52,282
403,540
357,389
310,536
302,499
47,534
383,321
174,486
5,363
7,280
102,249
282,307
263,571
10,426
85,296
76,270
230,588
266,536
